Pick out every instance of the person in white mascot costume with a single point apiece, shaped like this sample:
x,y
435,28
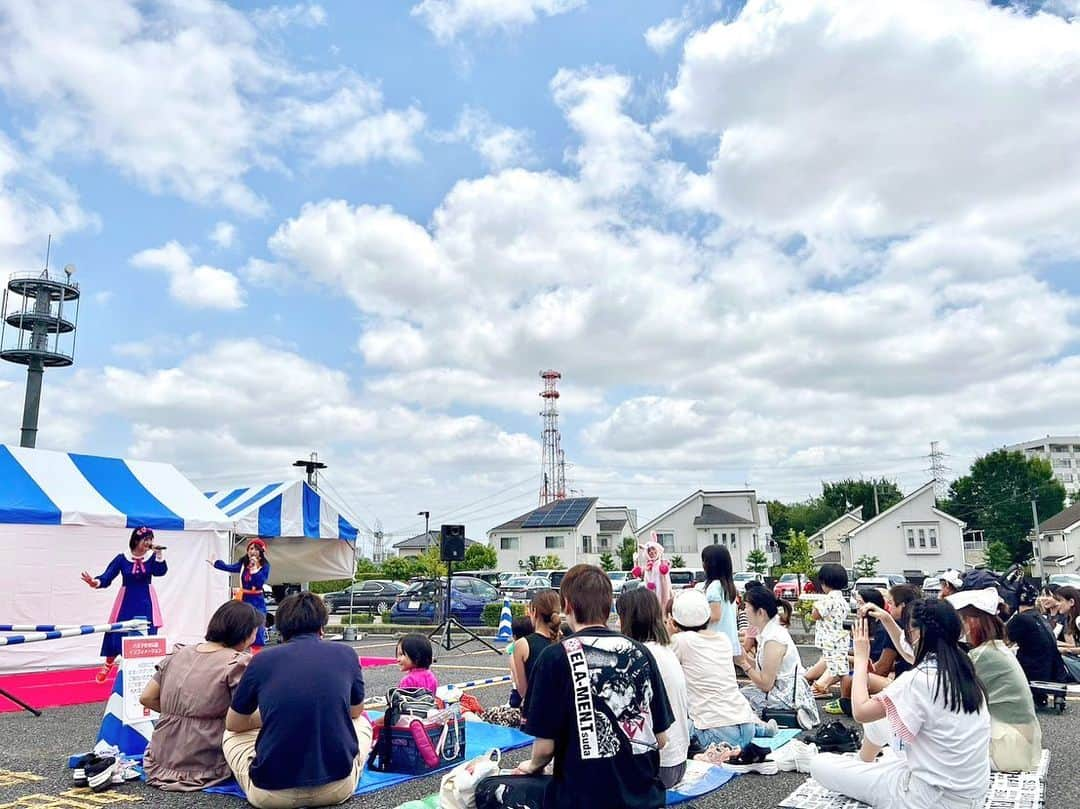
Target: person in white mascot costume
x,y
652,568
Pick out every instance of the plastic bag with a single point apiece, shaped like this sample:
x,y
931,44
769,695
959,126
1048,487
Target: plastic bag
x,y
458,788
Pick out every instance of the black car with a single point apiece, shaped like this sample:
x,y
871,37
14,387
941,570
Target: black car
x,y
375,596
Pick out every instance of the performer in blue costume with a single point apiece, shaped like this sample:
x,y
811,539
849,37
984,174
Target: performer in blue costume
x,y
254,572
136,598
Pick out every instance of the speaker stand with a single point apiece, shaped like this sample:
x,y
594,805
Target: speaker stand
x,y
449,622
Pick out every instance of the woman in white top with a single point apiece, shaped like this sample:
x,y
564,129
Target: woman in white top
x,y
775,671
719,712
640,620
938,716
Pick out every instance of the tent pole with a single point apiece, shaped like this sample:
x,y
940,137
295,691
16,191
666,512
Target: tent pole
x,y
350,628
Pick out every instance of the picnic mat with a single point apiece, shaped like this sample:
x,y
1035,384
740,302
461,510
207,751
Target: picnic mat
x,y
479,738
702,778
1025,790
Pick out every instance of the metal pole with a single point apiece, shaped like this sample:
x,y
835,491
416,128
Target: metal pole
x,y
1038,546
32,403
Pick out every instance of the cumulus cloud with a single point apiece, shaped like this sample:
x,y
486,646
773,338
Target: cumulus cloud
x,y
195,96
449,19
223,235
199,286
499,146
666,33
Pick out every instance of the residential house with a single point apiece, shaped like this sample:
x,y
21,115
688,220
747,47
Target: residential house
x,y
415,546
912,537
1059,541
734,519
825,543
567,528
613,525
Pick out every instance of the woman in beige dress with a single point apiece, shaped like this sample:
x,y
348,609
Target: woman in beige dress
x,y
192,690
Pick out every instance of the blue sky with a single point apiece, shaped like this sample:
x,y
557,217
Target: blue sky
x,y
770,245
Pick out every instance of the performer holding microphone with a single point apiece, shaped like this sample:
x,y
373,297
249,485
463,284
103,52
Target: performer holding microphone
x,y
254,572
136,598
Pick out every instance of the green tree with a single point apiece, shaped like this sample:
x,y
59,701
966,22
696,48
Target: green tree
x,y
607,561
366,569
996,495
627,552
551,561
797,557
481,557
677,561
400,568
430,563
780,520
757,561
866,565
998,556
844,495
530,564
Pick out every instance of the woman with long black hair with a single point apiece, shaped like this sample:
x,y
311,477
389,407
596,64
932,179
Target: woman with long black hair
x,y
720,593
254,570
937,713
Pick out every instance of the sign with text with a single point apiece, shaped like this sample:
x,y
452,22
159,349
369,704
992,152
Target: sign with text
x,y
141,656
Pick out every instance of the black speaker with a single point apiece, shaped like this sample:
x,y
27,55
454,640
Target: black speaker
x,y
452,547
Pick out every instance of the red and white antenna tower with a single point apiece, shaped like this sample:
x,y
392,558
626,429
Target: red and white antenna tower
x,y
553,466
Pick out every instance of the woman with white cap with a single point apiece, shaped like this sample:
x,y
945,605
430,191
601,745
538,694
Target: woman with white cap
x,y
951,582
1015,735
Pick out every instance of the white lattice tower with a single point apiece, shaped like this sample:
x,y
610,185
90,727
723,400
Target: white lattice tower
x,y
553,464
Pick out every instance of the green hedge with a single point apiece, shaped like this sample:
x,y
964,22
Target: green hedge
x,y
493,611
355,619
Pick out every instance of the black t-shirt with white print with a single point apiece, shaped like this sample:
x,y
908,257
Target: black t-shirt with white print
x,y
599,697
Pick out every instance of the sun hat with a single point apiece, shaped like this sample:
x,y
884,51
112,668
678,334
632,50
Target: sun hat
x,y
691,608
954,578
984,600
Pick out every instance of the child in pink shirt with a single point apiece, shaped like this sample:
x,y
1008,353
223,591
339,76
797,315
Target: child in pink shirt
x,y
414,656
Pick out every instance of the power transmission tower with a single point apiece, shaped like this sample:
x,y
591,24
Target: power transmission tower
x,y
939,470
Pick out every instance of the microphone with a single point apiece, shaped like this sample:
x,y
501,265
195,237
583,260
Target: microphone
x,y
158,547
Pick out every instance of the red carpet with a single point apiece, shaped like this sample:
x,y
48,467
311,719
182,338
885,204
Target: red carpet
x,y
51,689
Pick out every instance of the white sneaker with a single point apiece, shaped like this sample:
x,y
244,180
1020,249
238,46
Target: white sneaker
x,y
795,756
805,718
772,727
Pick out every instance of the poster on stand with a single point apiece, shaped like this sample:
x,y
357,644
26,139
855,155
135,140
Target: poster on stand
x,y
140,658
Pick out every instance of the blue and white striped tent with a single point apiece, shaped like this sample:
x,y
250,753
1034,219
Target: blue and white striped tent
x,y
62,513
299,525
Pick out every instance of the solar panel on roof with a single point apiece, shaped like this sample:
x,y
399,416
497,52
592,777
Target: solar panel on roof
x,y
562,514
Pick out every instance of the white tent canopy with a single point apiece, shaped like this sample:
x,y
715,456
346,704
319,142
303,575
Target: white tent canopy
x,y
307,537
61,514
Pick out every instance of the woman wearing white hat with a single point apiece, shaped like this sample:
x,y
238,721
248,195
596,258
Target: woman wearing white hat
x,y
1015,735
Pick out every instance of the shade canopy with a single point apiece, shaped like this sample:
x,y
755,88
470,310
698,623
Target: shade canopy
x,y
291,509
43,487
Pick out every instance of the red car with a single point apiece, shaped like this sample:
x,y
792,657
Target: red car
x,y
788,586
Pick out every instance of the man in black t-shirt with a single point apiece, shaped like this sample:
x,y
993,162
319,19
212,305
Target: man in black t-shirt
x,y
296,733
598,707
1036,647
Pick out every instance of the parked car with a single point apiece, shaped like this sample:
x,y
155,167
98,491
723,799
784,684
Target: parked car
x,y
618,579
523,588
556,579
684,578
742,578
490,576
504,576
375,596
788,586
417,603
882,581
1065,579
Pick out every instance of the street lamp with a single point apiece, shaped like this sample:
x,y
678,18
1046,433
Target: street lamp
x,y
427,522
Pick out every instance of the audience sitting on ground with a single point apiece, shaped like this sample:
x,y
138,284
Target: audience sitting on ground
x,y
545,612
1015,735
1036,648
296,734
414,656
1068,604
830,637
951,582
605,737
1047,605
640,620
192,690
938,711
748,637
883,654
775,670
720,593
895,618
520,628
719,713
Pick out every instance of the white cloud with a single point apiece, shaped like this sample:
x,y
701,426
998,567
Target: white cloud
x,y
306,15
197,285
448,19
967,132
195,98
666,33
223,235
499,146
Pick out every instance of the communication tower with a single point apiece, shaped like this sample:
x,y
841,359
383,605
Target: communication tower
x,y
553,466
38,320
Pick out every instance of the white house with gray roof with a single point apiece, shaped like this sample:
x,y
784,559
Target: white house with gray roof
x,y
734,519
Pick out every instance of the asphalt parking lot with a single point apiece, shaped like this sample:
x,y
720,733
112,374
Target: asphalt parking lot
x,y
41,746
